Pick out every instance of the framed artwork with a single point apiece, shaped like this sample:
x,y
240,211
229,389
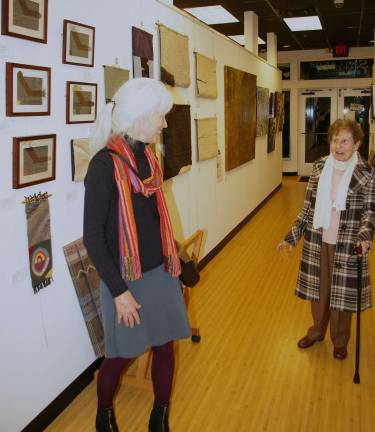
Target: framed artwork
x,y
81,102
206,82
263,96
81,155
28,90
78,44
26,19
143,54
34,160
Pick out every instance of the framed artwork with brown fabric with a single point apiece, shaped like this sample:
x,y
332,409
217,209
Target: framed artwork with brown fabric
x,y
81,102
28,90
25,19
34,160
78,44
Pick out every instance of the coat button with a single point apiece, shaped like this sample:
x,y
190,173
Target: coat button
x,y
343,228
338,265
340,247
348,206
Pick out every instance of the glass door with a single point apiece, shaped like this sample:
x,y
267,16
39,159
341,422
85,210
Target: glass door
x,y
355,104
318,109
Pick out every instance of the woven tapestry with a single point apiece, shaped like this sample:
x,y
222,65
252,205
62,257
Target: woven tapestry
x,y
206,138
174,57
279,110
114,78
177,141
206,82
143,54
240,117
81,155
86,283
263,95
272,125
39,239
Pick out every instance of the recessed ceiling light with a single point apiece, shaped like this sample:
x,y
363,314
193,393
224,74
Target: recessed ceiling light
x,y
304,23
239,39
261,41
286,46
372,41
212,15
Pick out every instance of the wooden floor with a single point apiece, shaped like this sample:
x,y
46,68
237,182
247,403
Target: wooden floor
x,y
247,373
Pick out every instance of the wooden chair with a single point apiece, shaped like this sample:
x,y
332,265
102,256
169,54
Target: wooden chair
x,y
138,374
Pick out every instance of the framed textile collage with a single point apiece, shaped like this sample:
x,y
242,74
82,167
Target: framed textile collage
x,y
143,53
78,44
81,102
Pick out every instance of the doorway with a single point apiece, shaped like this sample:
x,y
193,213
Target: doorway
x,y
318,110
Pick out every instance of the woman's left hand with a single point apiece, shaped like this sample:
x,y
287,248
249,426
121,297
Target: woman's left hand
x,y
365,245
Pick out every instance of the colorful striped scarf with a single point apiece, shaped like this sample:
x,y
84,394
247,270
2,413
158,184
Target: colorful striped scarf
x,y
126,181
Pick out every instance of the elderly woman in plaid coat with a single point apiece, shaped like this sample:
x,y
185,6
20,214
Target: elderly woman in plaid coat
x,y
338,214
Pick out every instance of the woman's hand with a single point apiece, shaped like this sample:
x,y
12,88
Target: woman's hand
x,y
127,309
284,246
365,245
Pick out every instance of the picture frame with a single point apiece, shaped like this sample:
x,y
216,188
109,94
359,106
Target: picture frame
x,y
25,19
78,44
81,102
34,160
28,90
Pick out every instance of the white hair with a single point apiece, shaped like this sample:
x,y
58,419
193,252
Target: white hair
x,y
134,107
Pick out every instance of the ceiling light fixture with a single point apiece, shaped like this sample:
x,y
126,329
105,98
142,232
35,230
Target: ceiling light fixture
x,y
338,3
304,23
212,15
286,46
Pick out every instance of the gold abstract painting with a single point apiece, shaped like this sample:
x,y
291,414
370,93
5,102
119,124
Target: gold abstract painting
x,y
207,138
114,78
206,81
174,57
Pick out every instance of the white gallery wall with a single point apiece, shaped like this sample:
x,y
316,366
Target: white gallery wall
x,y
44,341
296,86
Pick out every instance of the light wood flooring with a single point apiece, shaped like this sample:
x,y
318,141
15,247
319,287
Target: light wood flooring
x,y
247,375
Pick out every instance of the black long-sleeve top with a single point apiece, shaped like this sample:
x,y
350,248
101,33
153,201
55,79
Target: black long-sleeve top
x,y
100,226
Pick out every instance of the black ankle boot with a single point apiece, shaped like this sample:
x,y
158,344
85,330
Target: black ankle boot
x,y
105,420
159,418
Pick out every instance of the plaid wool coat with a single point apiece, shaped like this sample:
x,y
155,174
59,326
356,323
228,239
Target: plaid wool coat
x,y
357,223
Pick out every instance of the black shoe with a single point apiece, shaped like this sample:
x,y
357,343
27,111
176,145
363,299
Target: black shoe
x,y
105,420
159,418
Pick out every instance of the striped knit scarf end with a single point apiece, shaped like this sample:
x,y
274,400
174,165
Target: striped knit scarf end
x,y
131,269
172,265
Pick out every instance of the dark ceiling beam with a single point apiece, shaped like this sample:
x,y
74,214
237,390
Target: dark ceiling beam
x,y
230,28
360,23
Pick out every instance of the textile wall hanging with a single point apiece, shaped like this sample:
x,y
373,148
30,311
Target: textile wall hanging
x,y
177,141
263,95
279,110
26,19
240,117
34,160
206,82
272,126
206,138
86,283
78,44
81,102
114,78
174,57
272,106
81,155
143,54
39,239
28,90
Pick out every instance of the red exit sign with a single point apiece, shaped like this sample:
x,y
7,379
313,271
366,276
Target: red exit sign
x,y
341,51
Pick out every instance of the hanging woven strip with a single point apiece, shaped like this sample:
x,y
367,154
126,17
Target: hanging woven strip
x,y
86,283
39,237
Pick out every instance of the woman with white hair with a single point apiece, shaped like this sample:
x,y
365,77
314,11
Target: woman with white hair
x,y
129,237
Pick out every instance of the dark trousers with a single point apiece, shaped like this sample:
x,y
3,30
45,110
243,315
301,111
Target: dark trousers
x,y
339,322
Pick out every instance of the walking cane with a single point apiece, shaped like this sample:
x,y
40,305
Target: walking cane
x,y
358,251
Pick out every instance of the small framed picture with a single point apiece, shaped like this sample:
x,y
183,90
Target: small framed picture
x,y
78,44
28,90
26,19
34,160
80,102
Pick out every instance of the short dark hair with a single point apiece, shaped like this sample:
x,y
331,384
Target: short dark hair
x,y
346,124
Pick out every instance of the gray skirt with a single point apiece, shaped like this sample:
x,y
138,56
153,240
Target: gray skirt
x,y
163,315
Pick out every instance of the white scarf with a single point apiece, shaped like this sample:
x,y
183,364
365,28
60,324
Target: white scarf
x,y
324,203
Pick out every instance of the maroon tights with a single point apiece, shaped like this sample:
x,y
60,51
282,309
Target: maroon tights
x,y
162,370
